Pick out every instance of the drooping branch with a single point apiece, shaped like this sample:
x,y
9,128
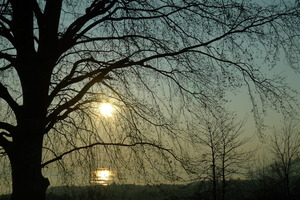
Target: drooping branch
x,y
95,79
156,13
96,9
76,98
132,107
153,40
242,27
108,144
69,79
67,113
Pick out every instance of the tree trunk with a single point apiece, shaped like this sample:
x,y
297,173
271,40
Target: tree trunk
x,y
214,177
27,179
223,173
287,186
223,183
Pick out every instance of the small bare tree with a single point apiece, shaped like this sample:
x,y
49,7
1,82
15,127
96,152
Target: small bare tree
x,y
285,149
277,173
220,142
234,159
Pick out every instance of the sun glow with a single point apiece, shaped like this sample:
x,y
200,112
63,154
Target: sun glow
x,y
106,109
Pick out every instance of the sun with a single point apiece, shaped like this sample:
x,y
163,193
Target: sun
x,y
106,109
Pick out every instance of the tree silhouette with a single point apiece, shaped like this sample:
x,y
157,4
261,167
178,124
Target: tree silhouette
x,y
217,138
153,59
277,174
285,149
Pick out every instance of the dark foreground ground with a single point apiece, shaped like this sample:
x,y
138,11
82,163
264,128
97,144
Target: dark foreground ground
x,y
237,190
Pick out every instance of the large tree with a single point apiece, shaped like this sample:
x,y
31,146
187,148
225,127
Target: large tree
x,y
153,58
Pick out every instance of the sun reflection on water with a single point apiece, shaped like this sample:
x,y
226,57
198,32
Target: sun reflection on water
x,y
101,176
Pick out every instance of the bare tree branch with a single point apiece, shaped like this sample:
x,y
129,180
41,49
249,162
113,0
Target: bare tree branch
x,y
4,94
7,127
107,144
